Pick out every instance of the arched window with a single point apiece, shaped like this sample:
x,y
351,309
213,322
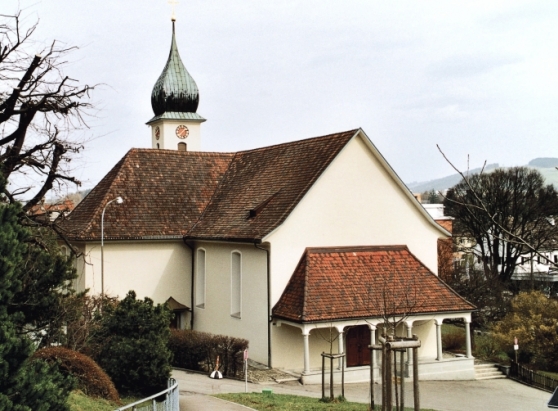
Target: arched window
x,y
236,284
200,278
181,146
157,145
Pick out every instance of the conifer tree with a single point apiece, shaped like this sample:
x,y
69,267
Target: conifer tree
x,y
24,385
132,343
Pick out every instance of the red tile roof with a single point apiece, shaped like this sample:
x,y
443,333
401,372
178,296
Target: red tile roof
x,y
363,282
164,192
238,196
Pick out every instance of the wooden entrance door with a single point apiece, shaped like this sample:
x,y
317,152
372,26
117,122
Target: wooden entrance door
x,y
358,339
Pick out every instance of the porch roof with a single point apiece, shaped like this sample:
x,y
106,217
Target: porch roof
x,y
364,282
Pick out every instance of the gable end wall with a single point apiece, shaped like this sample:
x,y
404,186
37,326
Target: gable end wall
x,y
354,202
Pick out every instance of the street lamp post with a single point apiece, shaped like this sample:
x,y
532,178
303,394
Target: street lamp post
x,y
118,200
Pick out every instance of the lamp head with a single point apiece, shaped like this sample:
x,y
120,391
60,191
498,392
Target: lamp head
x,y
119,200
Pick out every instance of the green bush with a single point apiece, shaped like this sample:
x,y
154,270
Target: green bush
x,y
454,340
198,351
533,319
89,377
187,348
487,348
131,345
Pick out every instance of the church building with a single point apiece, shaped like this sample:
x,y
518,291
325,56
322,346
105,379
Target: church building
x,y
300,248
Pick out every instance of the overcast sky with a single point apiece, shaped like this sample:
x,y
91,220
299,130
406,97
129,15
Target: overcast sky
x,y
479,78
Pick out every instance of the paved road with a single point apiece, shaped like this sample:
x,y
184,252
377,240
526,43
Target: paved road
x,y
500,394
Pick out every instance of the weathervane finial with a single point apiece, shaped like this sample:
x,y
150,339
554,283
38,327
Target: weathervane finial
x,y
173,3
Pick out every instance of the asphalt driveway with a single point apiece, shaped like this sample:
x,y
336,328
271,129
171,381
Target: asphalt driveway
x,y
499,394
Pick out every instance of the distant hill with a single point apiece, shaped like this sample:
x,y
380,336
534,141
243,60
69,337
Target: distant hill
x,y
444,183
544,162
546,166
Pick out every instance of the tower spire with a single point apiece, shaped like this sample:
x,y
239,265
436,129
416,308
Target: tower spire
x,y
174,100
175,90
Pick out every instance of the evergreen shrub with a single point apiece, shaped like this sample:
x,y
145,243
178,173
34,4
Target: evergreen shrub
x,y
131,345
89,377
196,350
27,385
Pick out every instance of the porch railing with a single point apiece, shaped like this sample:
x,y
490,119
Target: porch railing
x,y
170,402
532,378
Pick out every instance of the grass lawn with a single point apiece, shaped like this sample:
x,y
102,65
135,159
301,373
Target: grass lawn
x,y
280,402
80,402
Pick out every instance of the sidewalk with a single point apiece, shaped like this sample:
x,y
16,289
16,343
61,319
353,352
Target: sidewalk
x,y
499,394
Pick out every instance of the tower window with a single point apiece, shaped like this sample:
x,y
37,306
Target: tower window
x,y
157,145
181,146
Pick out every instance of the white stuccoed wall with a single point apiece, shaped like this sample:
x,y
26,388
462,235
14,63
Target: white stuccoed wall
x,y
154,269
216,316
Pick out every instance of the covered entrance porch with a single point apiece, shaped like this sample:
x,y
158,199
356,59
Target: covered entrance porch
x,y
353,337
345,298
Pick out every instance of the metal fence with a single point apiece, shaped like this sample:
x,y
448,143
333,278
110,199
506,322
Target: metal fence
x,y
530,377
166,400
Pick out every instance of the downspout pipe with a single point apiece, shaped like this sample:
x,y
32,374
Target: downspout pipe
x,y
192,283
269,319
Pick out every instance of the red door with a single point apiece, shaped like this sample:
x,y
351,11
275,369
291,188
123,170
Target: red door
x,y
358,339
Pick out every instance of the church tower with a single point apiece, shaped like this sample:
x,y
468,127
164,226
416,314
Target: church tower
x,y
174,99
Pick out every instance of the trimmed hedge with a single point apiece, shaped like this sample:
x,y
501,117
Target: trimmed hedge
x,y
196,350
90,378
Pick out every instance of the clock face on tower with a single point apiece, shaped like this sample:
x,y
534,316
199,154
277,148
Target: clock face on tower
x,y
157,132
182,131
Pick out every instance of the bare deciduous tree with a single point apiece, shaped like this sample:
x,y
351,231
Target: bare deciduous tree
x,y
40,107
508,212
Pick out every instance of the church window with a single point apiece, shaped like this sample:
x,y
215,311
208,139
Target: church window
x,y
200,278
157,145
181,146
236,284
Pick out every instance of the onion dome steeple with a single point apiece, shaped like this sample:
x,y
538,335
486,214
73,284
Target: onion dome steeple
x,y
174,100
175,90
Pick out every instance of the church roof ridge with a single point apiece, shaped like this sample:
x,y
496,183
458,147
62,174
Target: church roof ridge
x,y
341,134
167,151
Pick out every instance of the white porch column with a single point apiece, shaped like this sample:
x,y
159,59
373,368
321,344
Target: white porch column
x,y
373,341
439,339
305,335
409,326
468,337
340,346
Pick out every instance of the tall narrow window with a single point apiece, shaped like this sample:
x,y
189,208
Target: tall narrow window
x,y
181,146
236,284
200,278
